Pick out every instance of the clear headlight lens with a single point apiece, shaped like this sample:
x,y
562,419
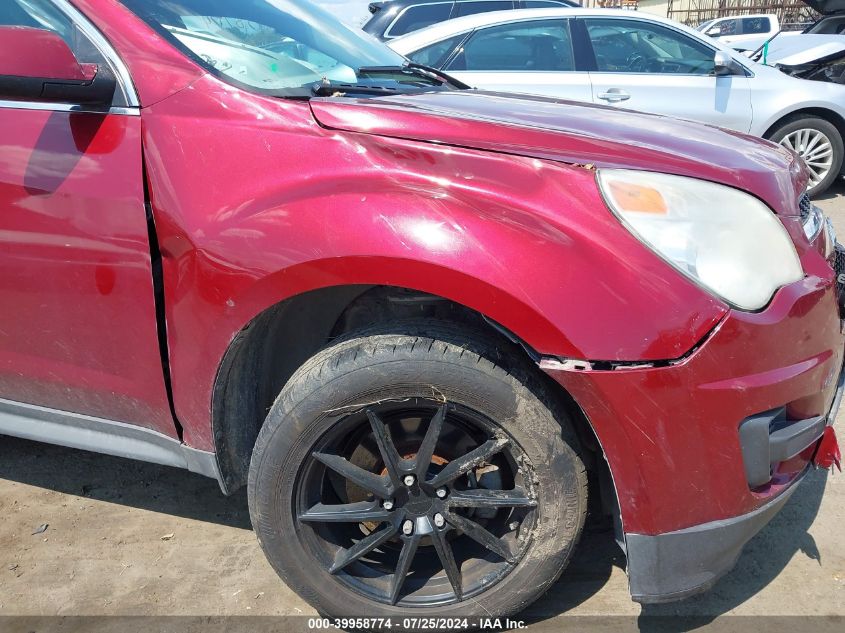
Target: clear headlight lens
x,y
726,240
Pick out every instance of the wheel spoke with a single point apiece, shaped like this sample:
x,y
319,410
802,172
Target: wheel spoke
x,y
345,513
482,536
821,159
463,465
483,498
823,151
388,451
406,557
429,443
371,482
364,546
814,140
447,558
816,175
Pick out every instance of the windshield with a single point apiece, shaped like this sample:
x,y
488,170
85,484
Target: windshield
x,y
277,47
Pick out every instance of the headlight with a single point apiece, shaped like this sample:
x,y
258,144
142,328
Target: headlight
x,y
725,240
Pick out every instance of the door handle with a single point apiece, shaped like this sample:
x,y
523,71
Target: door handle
x,y
614,95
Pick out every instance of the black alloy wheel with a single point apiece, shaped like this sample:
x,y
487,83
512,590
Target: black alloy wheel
x,y
417,468
384,513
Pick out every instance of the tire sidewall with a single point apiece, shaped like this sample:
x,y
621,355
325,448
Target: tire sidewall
x,y
299,418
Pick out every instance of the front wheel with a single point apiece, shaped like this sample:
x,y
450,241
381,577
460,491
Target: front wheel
x,y
425,472
819,143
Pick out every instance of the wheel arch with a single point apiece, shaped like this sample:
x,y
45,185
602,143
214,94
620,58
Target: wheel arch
x,y
823,113
252,372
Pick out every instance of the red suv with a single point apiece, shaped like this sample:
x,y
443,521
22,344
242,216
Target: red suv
x,y
423,324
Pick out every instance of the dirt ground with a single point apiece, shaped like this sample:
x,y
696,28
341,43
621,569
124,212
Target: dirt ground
x,y
127,538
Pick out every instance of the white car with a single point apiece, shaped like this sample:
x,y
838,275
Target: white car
x,y
829,28
741,28
817,52
642,62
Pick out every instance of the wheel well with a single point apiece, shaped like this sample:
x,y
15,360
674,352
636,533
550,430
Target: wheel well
x,y
265,354
828,115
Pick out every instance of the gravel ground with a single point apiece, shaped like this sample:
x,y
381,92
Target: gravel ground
x,y
126,538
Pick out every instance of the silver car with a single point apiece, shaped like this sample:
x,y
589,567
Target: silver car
x,y
641,62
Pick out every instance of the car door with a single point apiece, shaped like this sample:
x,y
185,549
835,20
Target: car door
x,y
78,326
529,56
646,66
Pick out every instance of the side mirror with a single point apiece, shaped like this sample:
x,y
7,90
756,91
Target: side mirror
x,y
723,64
37,65
714,31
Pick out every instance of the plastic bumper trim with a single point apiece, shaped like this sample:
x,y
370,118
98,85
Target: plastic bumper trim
x,y
675,565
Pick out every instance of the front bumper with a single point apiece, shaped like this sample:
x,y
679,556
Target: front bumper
x,y
674,565
671,435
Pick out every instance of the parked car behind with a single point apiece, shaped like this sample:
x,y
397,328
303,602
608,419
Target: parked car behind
x,y
642,62
736,30
816,53
422,324
832,22
393,18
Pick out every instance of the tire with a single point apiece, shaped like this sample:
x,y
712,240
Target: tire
x,y
406,365
788,133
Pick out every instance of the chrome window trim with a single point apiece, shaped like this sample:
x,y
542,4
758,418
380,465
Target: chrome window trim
x,y
102,44
66,107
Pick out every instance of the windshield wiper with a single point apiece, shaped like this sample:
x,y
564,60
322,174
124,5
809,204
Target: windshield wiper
x,y
420,70
326,88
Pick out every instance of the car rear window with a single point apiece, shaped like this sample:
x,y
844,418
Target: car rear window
x,y
755,25
471,7
419,16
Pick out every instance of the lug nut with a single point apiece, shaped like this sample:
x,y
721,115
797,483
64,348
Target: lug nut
x,y
439,521
409,480
388,504
441,493
408,528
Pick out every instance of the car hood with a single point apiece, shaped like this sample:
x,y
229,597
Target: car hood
x,y
576,133
826,7
804,49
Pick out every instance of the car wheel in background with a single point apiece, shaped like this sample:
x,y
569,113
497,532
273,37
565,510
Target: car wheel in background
x,y
418,469
819,143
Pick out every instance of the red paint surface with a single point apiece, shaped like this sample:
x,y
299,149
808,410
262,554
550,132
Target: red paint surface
x,y
670,434
578,133
77,324
257,199
29,52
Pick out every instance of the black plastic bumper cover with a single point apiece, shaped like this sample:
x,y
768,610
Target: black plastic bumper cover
x,y
674,565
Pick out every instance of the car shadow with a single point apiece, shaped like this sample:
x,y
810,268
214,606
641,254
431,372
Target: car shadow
x,y
179,493
837,190
123,481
